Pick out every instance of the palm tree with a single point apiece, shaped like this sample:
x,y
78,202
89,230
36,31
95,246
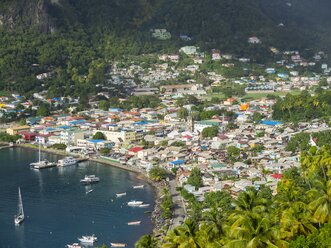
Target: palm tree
x,y
253,230
295,221
146,241
208,236
215,217
249,201
183,236
288,191
321,203
317,162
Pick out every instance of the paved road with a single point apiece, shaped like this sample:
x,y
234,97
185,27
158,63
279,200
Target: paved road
x,y
179,212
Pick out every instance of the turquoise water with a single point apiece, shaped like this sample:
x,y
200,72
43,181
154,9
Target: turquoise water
x,y
57,208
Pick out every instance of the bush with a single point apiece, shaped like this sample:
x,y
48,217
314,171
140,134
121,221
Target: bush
x,y
158,173
59,146
209,132
5,137
195,178
105,151
99,136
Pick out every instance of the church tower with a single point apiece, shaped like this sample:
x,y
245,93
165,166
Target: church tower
x,y
190,123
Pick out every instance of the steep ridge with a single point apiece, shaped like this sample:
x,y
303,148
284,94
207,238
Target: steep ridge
x,y
223,23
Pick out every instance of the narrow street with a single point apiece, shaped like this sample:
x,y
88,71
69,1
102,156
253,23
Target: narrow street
x,y
179,212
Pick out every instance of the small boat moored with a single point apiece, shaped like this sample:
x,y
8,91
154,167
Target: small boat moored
x,y
88,239
120,194
67,161
134,223
74,245
144,205
134,203
42,164
89,179
138,186
118,244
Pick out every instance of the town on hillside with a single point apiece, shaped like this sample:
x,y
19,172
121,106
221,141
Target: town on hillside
x,y
202,121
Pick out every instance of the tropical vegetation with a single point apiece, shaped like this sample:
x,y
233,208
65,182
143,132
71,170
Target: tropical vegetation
x,y
298,216
5,137
303,107
157,173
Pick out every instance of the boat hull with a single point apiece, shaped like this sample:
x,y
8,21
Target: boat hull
x,y
139,187
135,203
89,182
18,220
118,245
134,223
120,194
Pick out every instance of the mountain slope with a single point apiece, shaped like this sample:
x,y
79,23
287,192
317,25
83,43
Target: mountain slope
x,y
210,22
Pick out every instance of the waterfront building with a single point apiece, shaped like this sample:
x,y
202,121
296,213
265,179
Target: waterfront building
x,y
16,130
122,136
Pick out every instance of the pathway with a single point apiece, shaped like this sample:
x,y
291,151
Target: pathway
x,y
179,213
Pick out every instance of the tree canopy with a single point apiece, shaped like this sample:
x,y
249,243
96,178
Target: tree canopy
x,y
99,136
210,132
195,178
302,107
298,216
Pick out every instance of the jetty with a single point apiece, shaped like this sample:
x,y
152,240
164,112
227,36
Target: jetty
x,y
80,160
4,147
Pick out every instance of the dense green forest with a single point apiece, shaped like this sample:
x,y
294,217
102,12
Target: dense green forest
x,y
78,60
301,141
303,107
78,40
298,216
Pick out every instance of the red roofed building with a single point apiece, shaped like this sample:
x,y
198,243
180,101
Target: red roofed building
x,y
277,176
28,136
187,137
134,150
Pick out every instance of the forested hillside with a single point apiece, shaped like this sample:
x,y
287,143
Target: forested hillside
x,y
76,39
297,24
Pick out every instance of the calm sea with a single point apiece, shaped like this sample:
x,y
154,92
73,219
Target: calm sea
x,y
57,208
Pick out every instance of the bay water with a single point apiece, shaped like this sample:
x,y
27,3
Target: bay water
x,y
58,208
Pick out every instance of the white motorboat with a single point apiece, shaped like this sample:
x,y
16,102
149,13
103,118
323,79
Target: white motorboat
x,y
138,186
19,218
118,245
134,223
120,194
89,179
88,239
144,205
134,203
74,245
67,161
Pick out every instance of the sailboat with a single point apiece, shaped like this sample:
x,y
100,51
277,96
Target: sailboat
x,y
19,218
41,164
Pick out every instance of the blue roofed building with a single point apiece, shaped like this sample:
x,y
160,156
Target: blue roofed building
x,y
76,122
177,163
271,122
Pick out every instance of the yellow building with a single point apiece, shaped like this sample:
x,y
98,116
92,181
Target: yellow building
x,y
16,130
244,106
